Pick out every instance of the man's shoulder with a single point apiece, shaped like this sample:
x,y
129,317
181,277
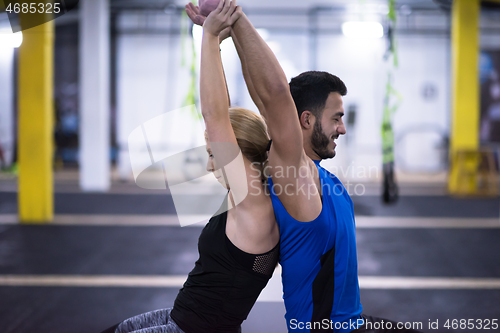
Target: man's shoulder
x,y
334,188
326,174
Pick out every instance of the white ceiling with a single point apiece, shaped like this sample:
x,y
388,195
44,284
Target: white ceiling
x,y
423,4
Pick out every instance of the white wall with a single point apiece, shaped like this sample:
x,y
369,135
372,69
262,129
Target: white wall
x,y
418,123
421,122
359,64
151,81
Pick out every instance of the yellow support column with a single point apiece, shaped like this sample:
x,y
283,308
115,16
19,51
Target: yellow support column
x,y
465,94
36,114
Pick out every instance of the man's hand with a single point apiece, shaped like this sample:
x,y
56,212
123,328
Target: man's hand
x,y
194,14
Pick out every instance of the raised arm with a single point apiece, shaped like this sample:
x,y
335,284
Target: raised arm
x,y
270,92
268,82
195,15
246,75
224,148
213,88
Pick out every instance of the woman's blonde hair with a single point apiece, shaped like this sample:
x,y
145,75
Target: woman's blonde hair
x,y
251,135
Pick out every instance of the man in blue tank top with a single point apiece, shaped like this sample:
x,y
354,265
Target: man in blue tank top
x,y
313,210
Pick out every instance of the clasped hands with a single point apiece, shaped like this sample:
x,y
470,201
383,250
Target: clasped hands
x,y
219,21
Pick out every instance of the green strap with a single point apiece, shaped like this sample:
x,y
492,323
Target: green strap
x,y
393,98
191,96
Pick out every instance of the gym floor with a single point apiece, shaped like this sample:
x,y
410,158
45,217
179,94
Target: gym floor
x,y
427,259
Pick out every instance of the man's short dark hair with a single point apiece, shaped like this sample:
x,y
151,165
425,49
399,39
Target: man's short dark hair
x,y
310,91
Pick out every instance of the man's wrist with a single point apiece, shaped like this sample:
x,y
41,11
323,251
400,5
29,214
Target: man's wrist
x,y
224,34
239,21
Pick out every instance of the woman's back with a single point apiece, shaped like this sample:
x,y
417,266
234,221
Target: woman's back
x,y
224,284
239,247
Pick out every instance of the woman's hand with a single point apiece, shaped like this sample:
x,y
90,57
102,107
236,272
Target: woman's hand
x,y
222,18
195,15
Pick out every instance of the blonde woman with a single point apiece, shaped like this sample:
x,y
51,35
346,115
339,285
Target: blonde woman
x,y
238,248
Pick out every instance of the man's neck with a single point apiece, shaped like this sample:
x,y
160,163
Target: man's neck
x,y
310,151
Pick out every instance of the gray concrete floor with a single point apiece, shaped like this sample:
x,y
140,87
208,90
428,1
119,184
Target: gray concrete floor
x,y
116,250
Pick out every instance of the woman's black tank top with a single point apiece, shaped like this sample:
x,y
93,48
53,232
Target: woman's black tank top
x,y
224,284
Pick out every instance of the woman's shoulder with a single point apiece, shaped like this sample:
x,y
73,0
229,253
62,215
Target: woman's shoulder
x,y
252,226
256,201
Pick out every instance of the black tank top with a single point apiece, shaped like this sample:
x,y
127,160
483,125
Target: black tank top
x,y
224,284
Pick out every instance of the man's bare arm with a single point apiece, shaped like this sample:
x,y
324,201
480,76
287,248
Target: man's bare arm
x,y
270,87
248,80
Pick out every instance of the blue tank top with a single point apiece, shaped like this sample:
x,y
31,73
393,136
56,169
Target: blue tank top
x,y
319,262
